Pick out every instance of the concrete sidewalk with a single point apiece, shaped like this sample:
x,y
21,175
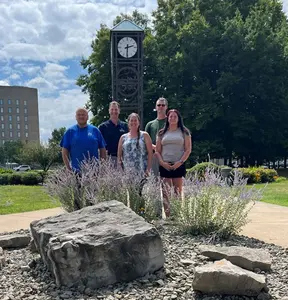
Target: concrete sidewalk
x,y
14,222
268,222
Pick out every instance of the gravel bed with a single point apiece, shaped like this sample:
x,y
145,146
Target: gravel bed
x,y
25,276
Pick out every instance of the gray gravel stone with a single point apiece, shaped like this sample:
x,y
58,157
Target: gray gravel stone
x,y
39,282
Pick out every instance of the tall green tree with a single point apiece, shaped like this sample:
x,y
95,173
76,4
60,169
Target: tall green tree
x,y
9,152
40,154
56,136
222,63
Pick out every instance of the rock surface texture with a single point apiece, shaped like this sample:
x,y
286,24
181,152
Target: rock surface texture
x,y
222,277
15,240
98,245
243,257
2,258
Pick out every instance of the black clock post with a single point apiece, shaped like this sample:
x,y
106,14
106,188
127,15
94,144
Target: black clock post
x,y
127,66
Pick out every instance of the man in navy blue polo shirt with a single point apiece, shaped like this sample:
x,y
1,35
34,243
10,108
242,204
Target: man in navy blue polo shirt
x,y
81,141
112,130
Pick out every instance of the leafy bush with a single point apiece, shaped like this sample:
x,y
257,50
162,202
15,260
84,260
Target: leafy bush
x,y
213,206
43,175
102,182
259,175
201,168
15,178
5,171
4,178
30,178
280,179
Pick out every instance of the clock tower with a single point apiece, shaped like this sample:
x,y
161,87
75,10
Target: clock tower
x,y
127,66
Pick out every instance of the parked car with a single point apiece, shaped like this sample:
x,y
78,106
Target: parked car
x,y
22,168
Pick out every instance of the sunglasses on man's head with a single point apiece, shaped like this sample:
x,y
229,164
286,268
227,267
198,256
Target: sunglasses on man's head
x,y
161,105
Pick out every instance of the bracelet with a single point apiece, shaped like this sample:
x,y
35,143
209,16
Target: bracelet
x,y
182,161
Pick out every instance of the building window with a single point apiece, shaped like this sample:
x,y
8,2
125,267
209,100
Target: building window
x,y
3,142
2,118
10,118
3,126
17,110
26,126
17,102
3,134
25,110
18,126
9,102
19,134
25,102
10,126
10,110
1,101
26,119
26,134
11,134
18,119
2,110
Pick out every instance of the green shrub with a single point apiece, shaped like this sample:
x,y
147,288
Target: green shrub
x,y
259,175
30,178
201,168
43,175
4,178
280,179
5,171
214,206
14,178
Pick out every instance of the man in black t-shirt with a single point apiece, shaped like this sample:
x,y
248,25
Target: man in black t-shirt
x,y
112,130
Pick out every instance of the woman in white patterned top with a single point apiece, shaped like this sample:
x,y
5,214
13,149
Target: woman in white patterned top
x,y
135,148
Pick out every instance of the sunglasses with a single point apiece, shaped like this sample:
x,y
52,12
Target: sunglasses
x,y
161,105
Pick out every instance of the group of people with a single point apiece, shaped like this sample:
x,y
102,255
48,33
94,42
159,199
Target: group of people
x,y
162,148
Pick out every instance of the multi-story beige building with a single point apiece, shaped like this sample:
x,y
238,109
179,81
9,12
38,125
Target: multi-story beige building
x,y
19,118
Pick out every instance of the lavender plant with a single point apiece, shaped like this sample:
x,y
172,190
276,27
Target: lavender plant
x,y
214,205
101,181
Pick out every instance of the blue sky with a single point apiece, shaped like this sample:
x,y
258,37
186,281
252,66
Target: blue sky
x,y
42,42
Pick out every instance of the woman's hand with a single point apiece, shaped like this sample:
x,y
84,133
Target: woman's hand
x,y
176,165
165,165
147,172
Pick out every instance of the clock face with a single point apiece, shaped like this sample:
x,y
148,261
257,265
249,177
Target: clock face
x,y
127,47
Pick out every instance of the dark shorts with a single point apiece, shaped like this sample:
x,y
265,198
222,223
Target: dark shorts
x,y
178,173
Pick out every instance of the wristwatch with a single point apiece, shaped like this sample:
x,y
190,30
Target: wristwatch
x,y
182,162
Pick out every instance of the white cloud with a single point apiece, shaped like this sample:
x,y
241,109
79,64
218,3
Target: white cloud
x,y
4,82
60,111
14,76
55,30
41,84
37,36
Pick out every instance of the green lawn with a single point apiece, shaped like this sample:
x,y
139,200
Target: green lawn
x,y
275,193
24,198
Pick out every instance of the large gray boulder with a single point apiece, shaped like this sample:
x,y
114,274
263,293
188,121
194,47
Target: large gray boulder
x,y
2,258
243,257
98,245
14,240
222,277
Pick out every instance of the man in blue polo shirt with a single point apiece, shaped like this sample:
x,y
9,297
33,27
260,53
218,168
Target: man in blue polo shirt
x,y
112,130
81,141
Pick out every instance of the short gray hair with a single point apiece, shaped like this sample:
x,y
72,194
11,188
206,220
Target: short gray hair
x,y
163,99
